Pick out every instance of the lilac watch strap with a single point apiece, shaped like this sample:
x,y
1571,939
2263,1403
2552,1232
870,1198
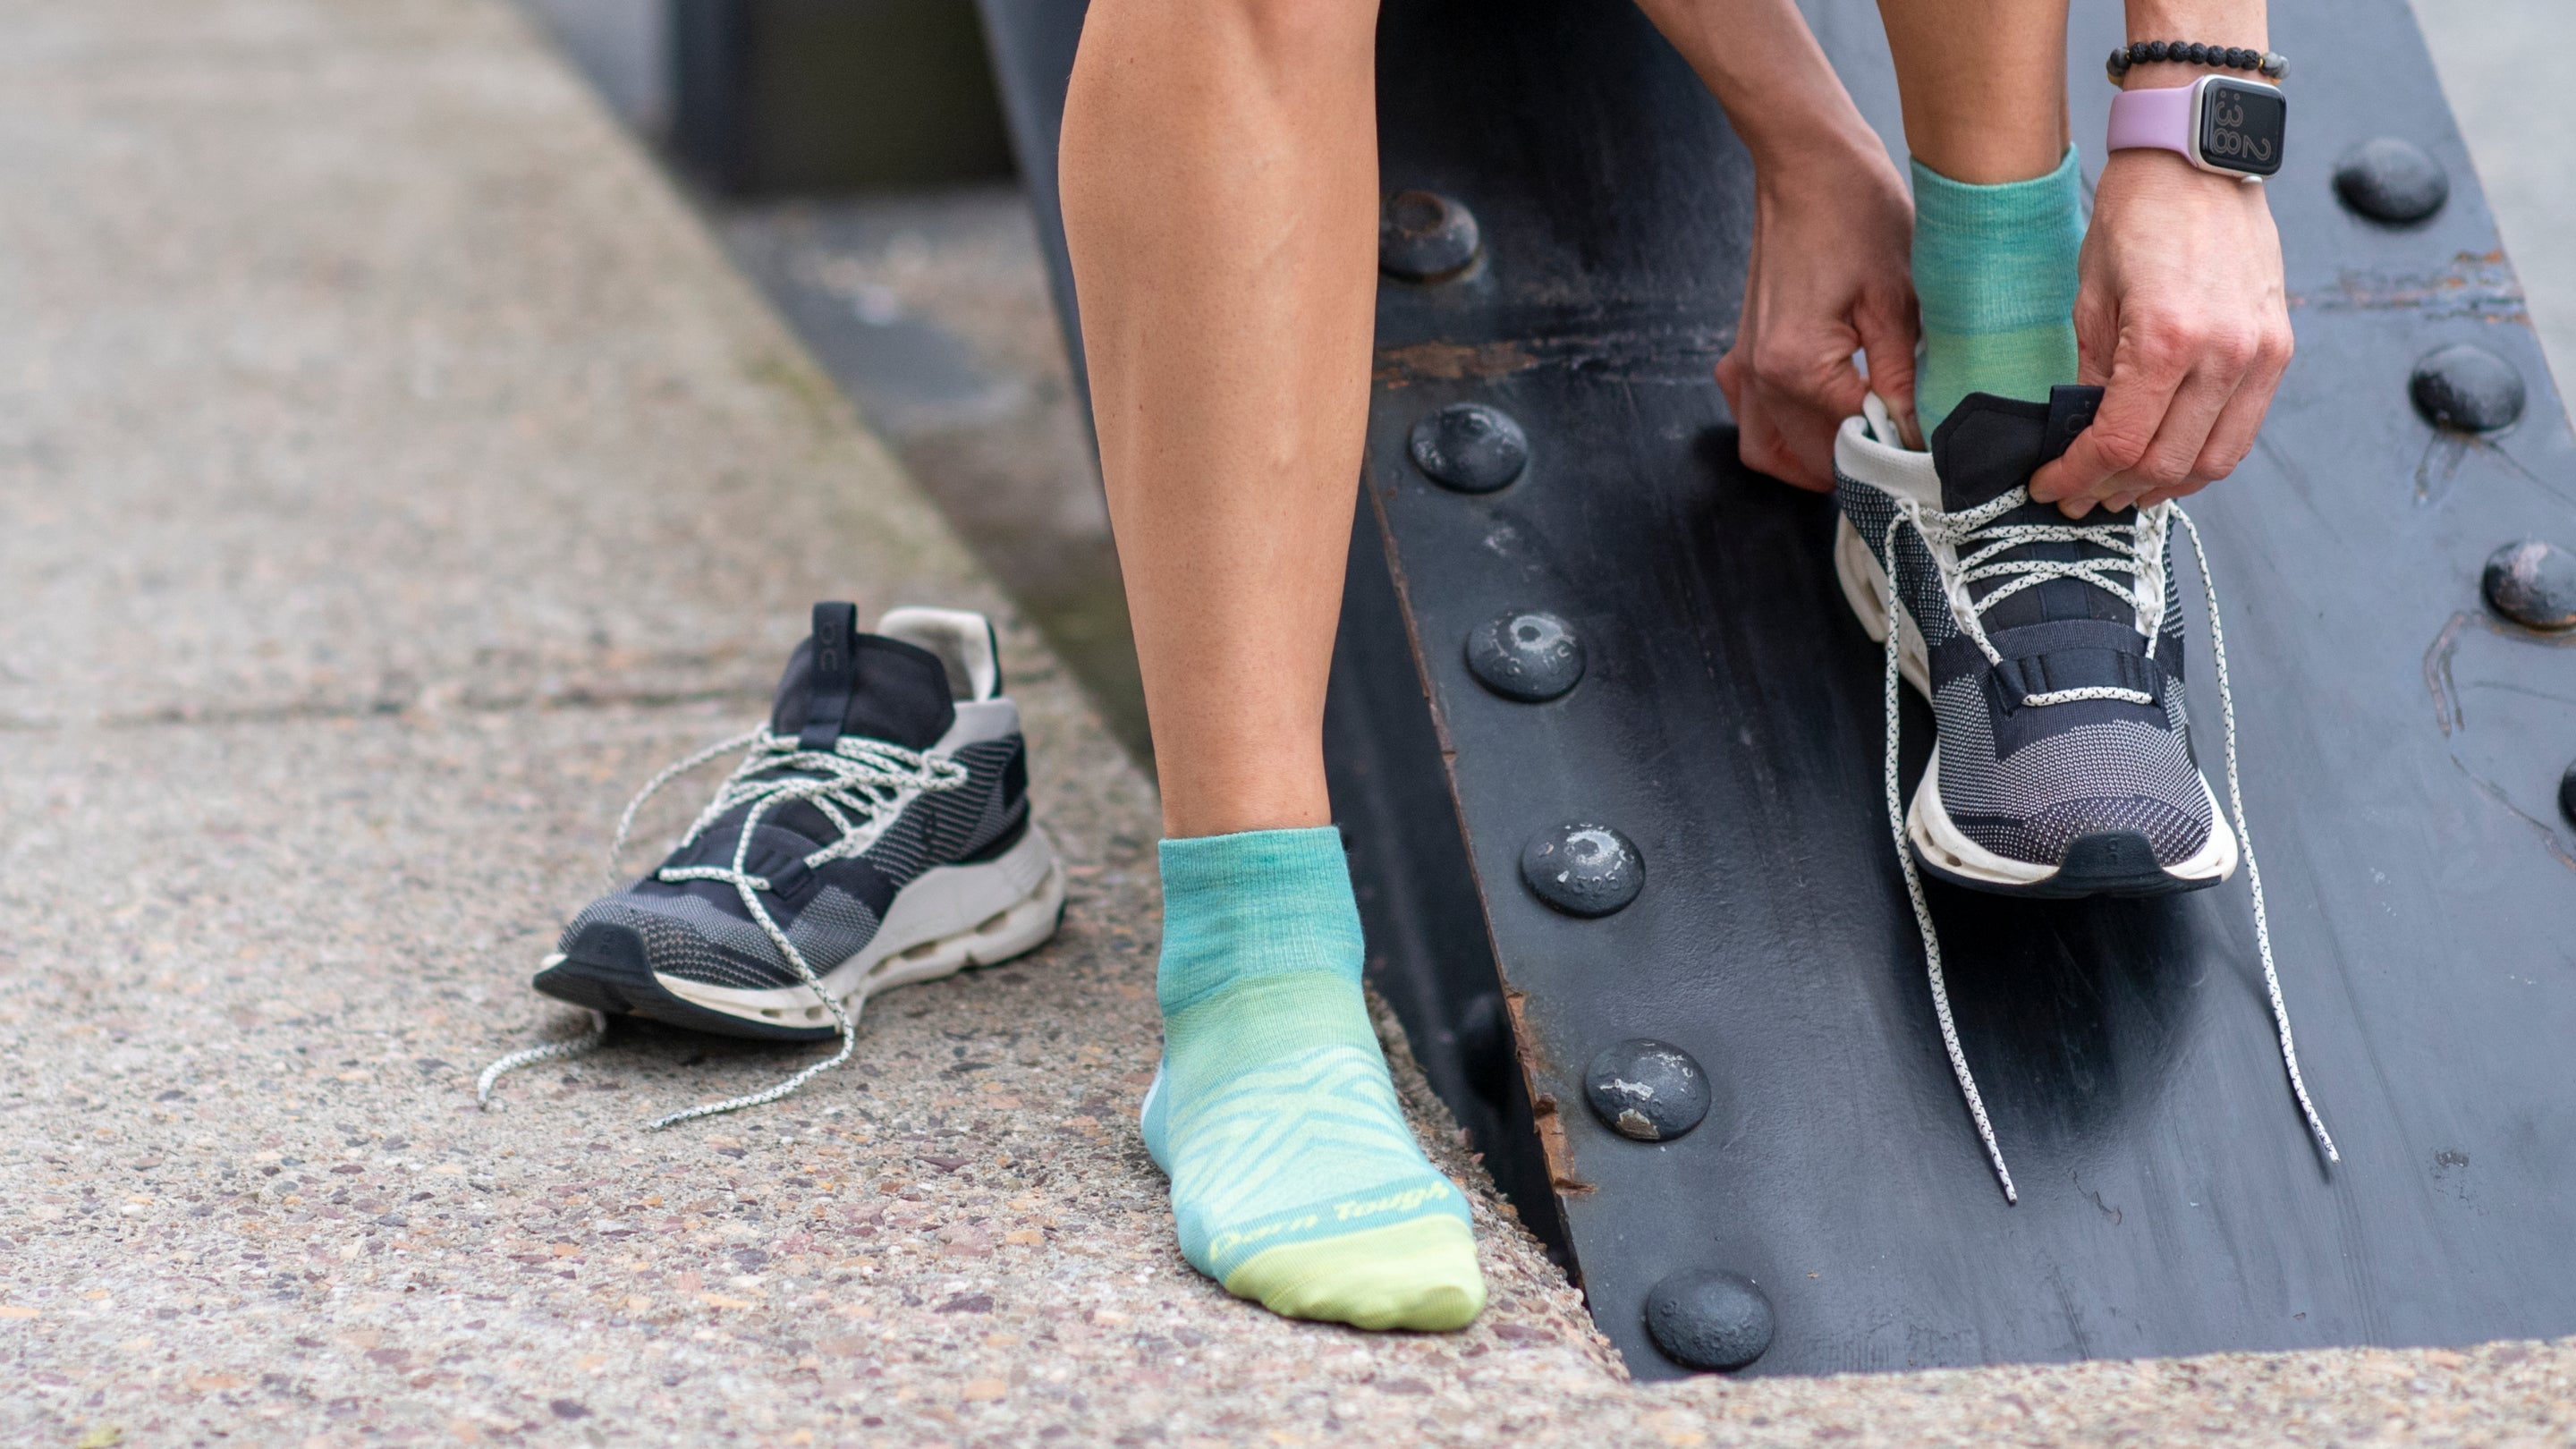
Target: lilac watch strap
x,y
2160,119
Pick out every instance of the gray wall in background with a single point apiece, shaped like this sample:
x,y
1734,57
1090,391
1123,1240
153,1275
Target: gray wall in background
x,y
624,47
2506,67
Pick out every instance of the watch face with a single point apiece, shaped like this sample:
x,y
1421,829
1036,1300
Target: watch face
x,y
2241,126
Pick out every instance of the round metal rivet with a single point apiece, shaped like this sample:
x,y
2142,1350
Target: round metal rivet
x,y
1583,869
2533,584
2466,388
1647,1089
1526,655
2390,180
1708,1318
1470,447
2567,794
1423,236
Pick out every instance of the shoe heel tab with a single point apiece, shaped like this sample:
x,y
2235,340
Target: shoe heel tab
x,y
964,640
1880,421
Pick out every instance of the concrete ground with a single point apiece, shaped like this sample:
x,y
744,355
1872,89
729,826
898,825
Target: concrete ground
x,y
392,474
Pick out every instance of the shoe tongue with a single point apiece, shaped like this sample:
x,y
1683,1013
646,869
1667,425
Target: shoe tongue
x,y
842,682
1990,445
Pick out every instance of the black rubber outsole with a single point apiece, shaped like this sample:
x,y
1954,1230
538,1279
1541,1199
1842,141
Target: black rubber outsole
x,y
604,968
2118,863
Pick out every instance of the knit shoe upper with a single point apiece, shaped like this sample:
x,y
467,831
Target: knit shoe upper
x,y
871,771
2051,650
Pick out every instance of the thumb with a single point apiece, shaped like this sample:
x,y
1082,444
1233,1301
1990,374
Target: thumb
x,y
2097,335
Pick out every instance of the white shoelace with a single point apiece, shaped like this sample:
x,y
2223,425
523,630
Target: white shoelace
x,y
856,783
2141,556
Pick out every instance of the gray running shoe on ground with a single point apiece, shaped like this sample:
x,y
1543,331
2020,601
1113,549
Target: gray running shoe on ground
x,y
877,832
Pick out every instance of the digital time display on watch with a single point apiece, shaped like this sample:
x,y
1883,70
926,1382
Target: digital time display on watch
x,y
2241,126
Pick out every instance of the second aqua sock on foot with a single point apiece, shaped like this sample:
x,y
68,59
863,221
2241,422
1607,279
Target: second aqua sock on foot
x,y
1995,274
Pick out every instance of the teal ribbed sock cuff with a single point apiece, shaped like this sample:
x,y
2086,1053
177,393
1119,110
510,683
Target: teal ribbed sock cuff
x,y
1258,903
1995,273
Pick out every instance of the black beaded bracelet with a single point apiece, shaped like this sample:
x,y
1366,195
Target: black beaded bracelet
x,y
2145,52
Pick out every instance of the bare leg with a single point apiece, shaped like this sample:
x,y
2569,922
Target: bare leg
x,y
1220,201
1983,84
1220,196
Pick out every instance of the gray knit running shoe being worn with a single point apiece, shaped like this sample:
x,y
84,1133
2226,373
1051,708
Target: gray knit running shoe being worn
x,y
876,832
2052,652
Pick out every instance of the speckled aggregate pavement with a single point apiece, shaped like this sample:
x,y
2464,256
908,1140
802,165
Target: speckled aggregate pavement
x,y
391,477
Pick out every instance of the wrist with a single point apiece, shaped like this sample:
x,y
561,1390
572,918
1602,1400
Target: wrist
x,y
1802,148
2166,75
2240,23
2162,178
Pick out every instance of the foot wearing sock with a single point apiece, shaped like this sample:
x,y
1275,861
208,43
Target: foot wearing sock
x,y
1295,1179
1995,273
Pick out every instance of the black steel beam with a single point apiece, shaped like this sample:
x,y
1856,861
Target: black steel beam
x,y
2403,747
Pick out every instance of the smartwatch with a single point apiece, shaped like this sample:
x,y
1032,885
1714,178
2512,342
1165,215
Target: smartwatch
x,y
2218,123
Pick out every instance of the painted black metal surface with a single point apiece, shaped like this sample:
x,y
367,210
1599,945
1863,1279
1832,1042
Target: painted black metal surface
x,y
1709,1318
2532,583
1583,868
2403,749
777,97
1526,654
1033,42
2400,781
1470,447
1423,236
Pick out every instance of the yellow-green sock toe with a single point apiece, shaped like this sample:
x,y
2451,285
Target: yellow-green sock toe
x,y
1420,1275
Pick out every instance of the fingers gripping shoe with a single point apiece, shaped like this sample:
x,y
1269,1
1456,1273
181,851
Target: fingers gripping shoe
x,y
877,832
2051,650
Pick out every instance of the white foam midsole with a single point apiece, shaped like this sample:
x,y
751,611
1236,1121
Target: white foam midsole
x,y
1865,589
1927,823
950,918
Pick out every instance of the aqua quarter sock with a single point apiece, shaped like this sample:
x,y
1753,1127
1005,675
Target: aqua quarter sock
x,y
1994,269
1295,1179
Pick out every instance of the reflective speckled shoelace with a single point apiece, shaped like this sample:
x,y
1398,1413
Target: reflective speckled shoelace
x,y
1976,526
854,784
